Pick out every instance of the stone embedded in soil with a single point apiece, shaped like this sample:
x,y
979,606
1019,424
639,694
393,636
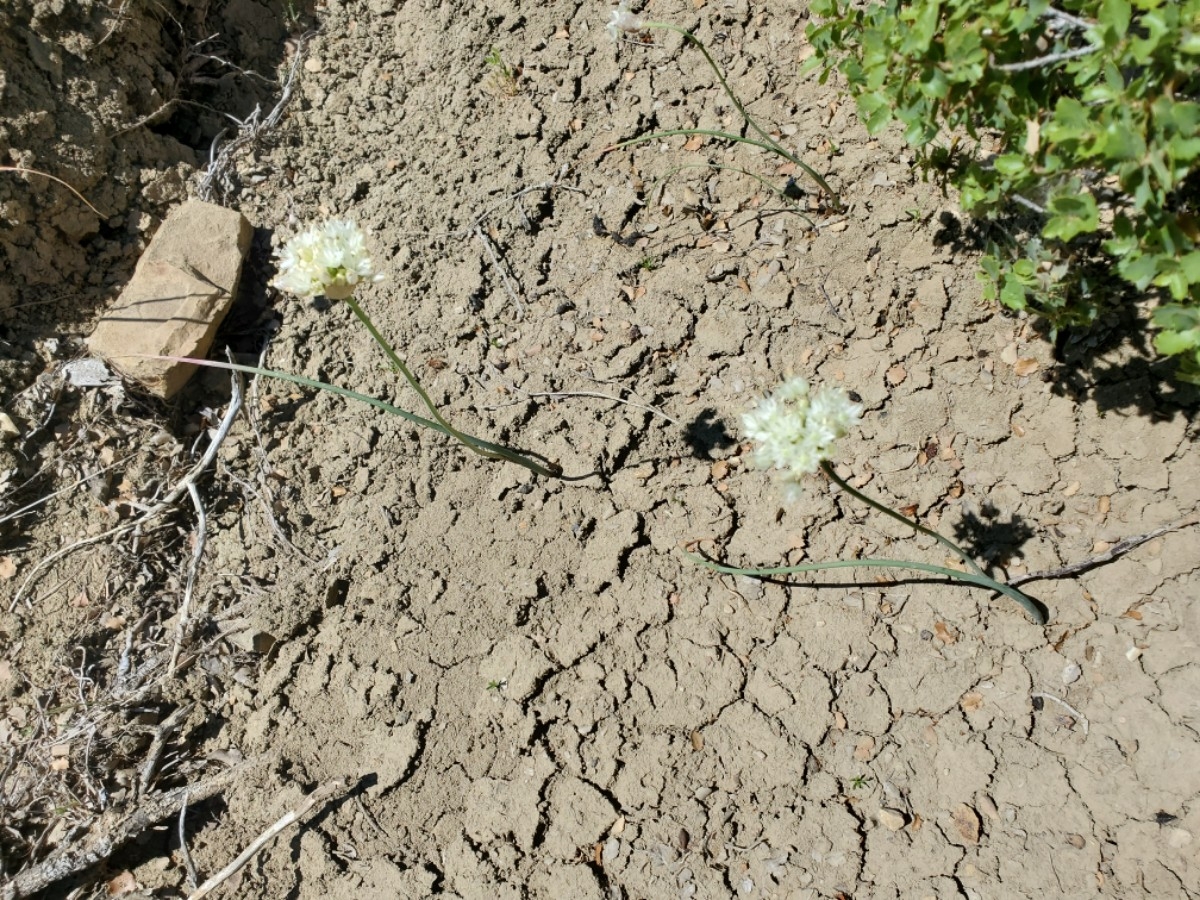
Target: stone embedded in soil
x,y
182,288
966,823
891,819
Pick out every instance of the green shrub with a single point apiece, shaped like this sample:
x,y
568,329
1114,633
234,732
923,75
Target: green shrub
x,y
1081,124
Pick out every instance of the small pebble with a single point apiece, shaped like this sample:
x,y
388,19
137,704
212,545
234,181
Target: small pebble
x,y
891,819
1071,673
987,806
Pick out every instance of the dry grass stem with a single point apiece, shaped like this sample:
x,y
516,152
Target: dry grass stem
x,y
25,171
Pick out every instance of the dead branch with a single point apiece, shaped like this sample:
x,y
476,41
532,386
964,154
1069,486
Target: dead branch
x,y
109,832
235,404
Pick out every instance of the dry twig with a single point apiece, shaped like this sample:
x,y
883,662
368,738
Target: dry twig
x,y
320,795
1118,549
185,607
159,744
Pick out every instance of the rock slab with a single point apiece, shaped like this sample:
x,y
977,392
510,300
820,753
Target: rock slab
x,y
182,288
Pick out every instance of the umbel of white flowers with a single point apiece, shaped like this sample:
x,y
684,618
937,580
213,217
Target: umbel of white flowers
x,y
330,259
795,428
622,21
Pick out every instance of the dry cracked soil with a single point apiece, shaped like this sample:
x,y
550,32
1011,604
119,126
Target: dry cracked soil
x,y
532,692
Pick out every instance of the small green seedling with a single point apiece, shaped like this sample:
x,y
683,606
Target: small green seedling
x,y
497,686
502,79
859,782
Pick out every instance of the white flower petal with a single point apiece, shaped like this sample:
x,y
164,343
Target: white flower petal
x,y
795,428
328,259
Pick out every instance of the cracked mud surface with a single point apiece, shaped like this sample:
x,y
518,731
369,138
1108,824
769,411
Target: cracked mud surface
x,y
535,694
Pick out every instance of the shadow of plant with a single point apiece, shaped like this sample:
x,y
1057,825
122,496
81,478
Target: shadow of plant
x,y
1112,361
989,539
707,435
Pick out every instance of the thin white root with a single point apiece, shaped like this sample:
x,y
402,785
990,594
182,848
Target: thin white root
x,y
320,795
217,182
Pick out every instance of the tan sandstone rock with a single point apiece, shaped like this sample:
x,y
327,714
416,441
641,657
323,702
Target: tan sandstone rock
x,y
182,288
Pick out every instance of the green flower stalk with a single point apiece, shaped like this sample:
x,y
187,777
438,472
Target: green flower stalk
x,y
794,430
331,260
625,24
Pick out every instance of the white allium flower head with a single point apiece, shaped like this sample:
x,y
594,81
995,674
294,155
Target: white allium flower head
x,y
795,427
622,21
329,259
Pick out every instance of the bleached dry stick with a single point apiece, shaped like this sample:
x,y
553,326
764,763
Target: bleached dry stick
x,y
512,293
235,404
159,744
183,848
320,795
1118,549
1065,705
106,834
193,568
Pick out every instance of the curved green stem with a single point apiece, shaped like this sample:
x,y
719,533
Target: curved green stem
x,y
500,452
1028,604
771,144
766,184
728,136
483,448
827,468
